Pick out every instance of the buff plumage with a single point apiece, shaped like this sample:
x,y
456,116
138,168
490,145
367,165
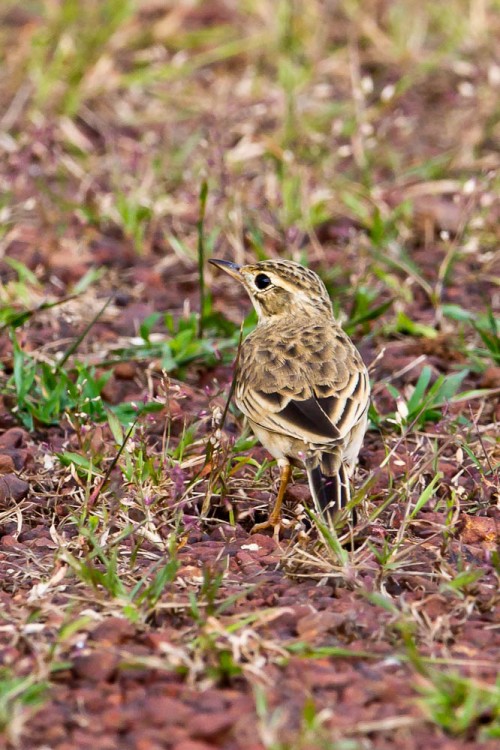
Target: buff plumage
x,y
301,382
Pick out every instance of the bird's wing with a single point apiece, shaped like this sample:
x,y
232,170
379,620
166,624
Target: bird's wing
x,y
306,381
319,420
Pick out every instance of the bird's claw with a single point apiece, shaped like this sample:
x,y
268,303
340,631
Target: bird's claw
x,y
274,523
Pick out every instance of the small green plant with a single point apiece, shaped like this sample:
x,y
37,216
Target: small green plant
x,y
364,309
204,603
181,345
486,325
293,67
220,666
463,584
403,324
312,733
68,44
140,466
461,705
331,539
426,402
218,644
20,697
133,216
392,553
381,227
18,291
83,466
103,570
204,302
43,393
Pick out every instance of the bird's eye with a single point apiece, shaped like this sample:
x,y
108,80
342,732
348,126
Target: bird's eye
x,y
262,281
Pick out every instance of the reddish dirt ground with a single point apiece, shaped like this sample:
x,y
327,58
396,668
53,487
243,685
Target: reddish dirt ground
x,y
137,611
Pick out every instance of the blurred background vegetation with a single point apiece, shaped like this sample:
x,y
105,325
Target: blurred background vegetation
x,y
299,114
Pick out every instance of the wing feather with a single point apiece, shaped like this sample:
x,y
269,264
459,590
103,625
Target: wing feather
x,y
303,397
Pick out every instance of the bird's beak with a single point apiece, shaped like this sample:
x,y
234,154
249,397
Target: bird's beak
x,y
231,268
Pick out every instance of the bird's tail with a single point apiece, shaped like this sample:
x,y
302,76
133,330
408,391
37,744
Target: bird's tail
x,y
329,485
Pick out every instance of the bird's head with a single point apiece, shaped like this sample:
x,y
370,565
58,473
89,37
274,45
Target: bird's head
x,y
280,288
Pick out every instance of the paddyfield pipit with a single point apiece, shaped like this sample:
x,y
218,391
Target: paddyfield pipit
x,y
300,382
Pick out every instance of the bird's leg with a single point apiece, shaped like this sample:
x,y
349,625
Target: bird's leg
x,y
274,519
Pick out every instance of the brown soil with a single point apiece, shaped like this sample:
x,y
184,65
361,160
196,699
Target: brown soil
x,y
249,644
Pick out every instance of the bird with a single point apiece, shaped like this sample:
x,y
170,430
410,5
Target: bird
x,y
301,383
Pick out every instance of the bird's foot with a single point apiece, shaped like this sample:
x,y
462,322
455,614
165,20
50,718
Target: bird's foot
x,y
274,523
